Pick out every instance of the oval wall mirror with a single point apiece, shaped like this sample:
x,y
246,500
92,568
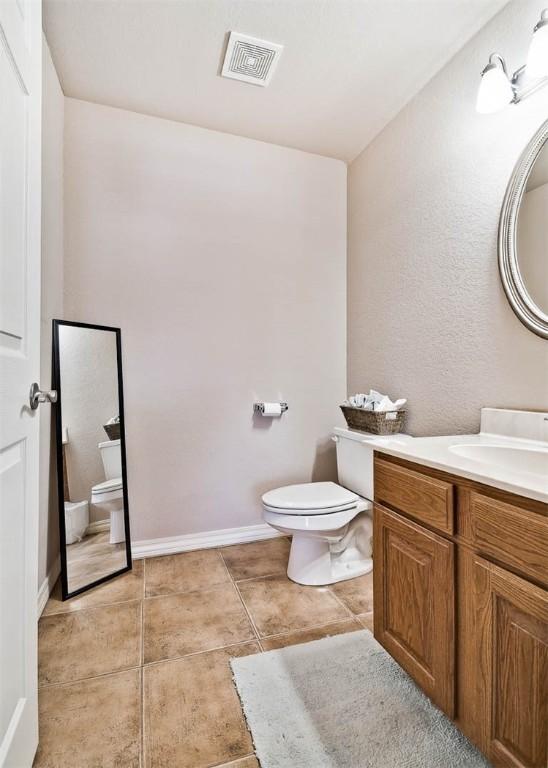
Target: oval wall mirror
x,y
523,236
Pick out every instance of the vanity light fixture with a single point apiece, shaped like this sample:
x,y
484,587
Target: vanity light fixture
x,y
537,58
498,89
495,91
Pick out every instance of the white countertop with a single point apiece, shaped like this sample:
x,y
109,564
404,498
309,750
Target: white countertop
x,y
435,452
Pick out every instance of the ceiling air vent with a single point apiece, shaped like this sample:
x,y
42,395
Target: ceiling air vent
x,y
250,59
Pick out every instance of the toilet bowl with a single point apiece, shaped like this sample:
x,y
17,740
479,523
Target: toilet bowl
x,y
319,516
331,523
107,497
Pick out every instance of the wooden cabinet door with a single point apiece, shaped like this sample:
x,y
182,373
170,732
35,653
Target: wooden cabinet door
x,y
414,596
512,626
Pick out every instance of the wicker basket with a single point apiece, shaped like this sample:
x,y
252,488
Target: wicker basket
x,y
375,422
112,430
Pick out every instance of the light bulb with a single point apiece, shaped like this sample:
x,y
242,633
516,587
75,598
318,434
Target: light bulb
x,y
495,90
537,58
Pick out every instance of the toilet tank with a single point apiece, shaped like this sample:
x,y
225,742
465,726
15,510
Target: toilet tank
x,y
355,459
111,458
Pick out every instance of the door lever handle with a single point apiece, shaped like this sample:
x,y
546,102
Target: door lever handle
x,y
37,396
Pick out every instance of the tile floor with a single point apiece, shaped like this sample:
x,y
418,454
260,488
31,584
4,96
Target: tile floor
x,y
135,674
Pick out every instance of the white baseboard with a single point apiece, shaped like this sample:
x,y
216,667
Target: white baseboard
x,y
206,540
47,585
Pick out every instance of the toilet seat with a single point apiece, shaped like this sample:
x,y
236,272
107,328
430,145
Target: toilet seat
x,y
115,484
315,520
310,499
107,490
322,511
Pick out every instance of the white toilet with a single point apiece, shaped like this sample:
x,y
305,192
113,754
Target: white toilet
x,y
108,496
331,524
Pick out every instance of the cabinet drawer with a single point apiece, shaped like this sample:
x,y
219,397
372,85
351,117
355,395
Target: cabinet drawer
x,y
512,535
423,498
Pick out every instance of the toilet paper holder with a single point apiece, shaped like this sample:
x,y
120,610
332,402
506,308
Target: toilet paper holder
x,y
259,408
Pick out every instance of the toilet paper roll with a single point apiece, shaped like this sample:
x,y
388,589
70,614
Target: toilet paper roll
x,y
272,409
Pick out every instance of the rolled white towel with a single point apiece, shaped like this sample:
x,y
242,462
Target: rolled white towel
x,y
387,405
374,401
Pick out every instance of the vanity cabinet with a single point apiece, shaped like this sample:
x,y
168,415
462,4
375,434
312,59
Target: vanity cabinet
x,y
461,602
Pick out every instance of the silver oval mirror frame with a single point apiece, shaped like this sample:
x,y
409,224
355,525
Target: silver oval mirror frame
x,y
521,302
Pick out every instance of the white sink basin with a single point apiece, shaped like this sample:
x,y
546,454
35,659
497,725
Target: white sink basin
x,y
510,452
531,460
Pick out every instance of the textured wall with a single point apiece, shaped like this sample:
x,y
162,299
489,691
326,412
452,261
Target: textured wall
x,y
224,262
52,298
427,315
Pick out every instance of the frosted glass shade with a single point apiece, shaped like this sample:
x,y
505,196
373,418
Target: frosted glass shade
x,y
537,59
495,91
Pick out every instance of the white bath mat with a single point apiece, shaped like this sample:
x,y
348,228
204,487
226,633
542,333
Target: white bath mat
x,y
343,702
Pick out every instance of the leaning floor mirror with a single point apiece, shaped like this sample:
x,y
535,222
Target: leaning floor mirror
x,y
91,455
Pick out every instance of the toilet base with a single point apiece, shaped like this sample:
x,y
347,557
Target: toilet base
x,y
312,562
117,526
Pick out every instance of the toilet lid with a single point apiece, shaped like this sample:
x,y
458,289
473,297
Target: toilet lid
x,y
306,497
108,486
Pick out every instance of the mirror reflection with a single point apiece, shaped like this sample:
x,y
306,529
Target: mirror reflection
x,y
532,233
94,526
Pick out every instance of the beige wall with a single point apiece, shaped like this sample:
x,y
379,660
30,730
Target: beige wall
x,y
427,316
52,298
223,261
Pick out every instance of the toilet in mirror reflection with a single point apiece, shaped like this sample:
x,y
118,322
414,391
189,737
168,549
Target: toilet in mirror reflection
x,y
91,455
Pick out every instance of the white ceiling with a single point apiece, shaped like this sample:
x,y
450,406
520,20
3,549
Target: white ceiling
x,y
347,69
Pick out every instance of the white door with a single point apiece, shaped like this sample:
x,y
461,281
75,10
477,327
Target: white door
x,y
20,179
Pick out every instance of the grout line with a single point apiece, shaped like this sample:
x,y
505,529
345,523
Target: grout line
x,y
325,624
234,762
144,579
207,588
250,617
90,677
262,576
142,753
143,617
73,611
148,664
360,617
142,749
234,584
338,599
142,648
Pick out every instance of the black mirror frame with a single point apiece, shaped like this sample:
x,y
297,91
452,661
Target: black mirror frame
x,y
56,385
